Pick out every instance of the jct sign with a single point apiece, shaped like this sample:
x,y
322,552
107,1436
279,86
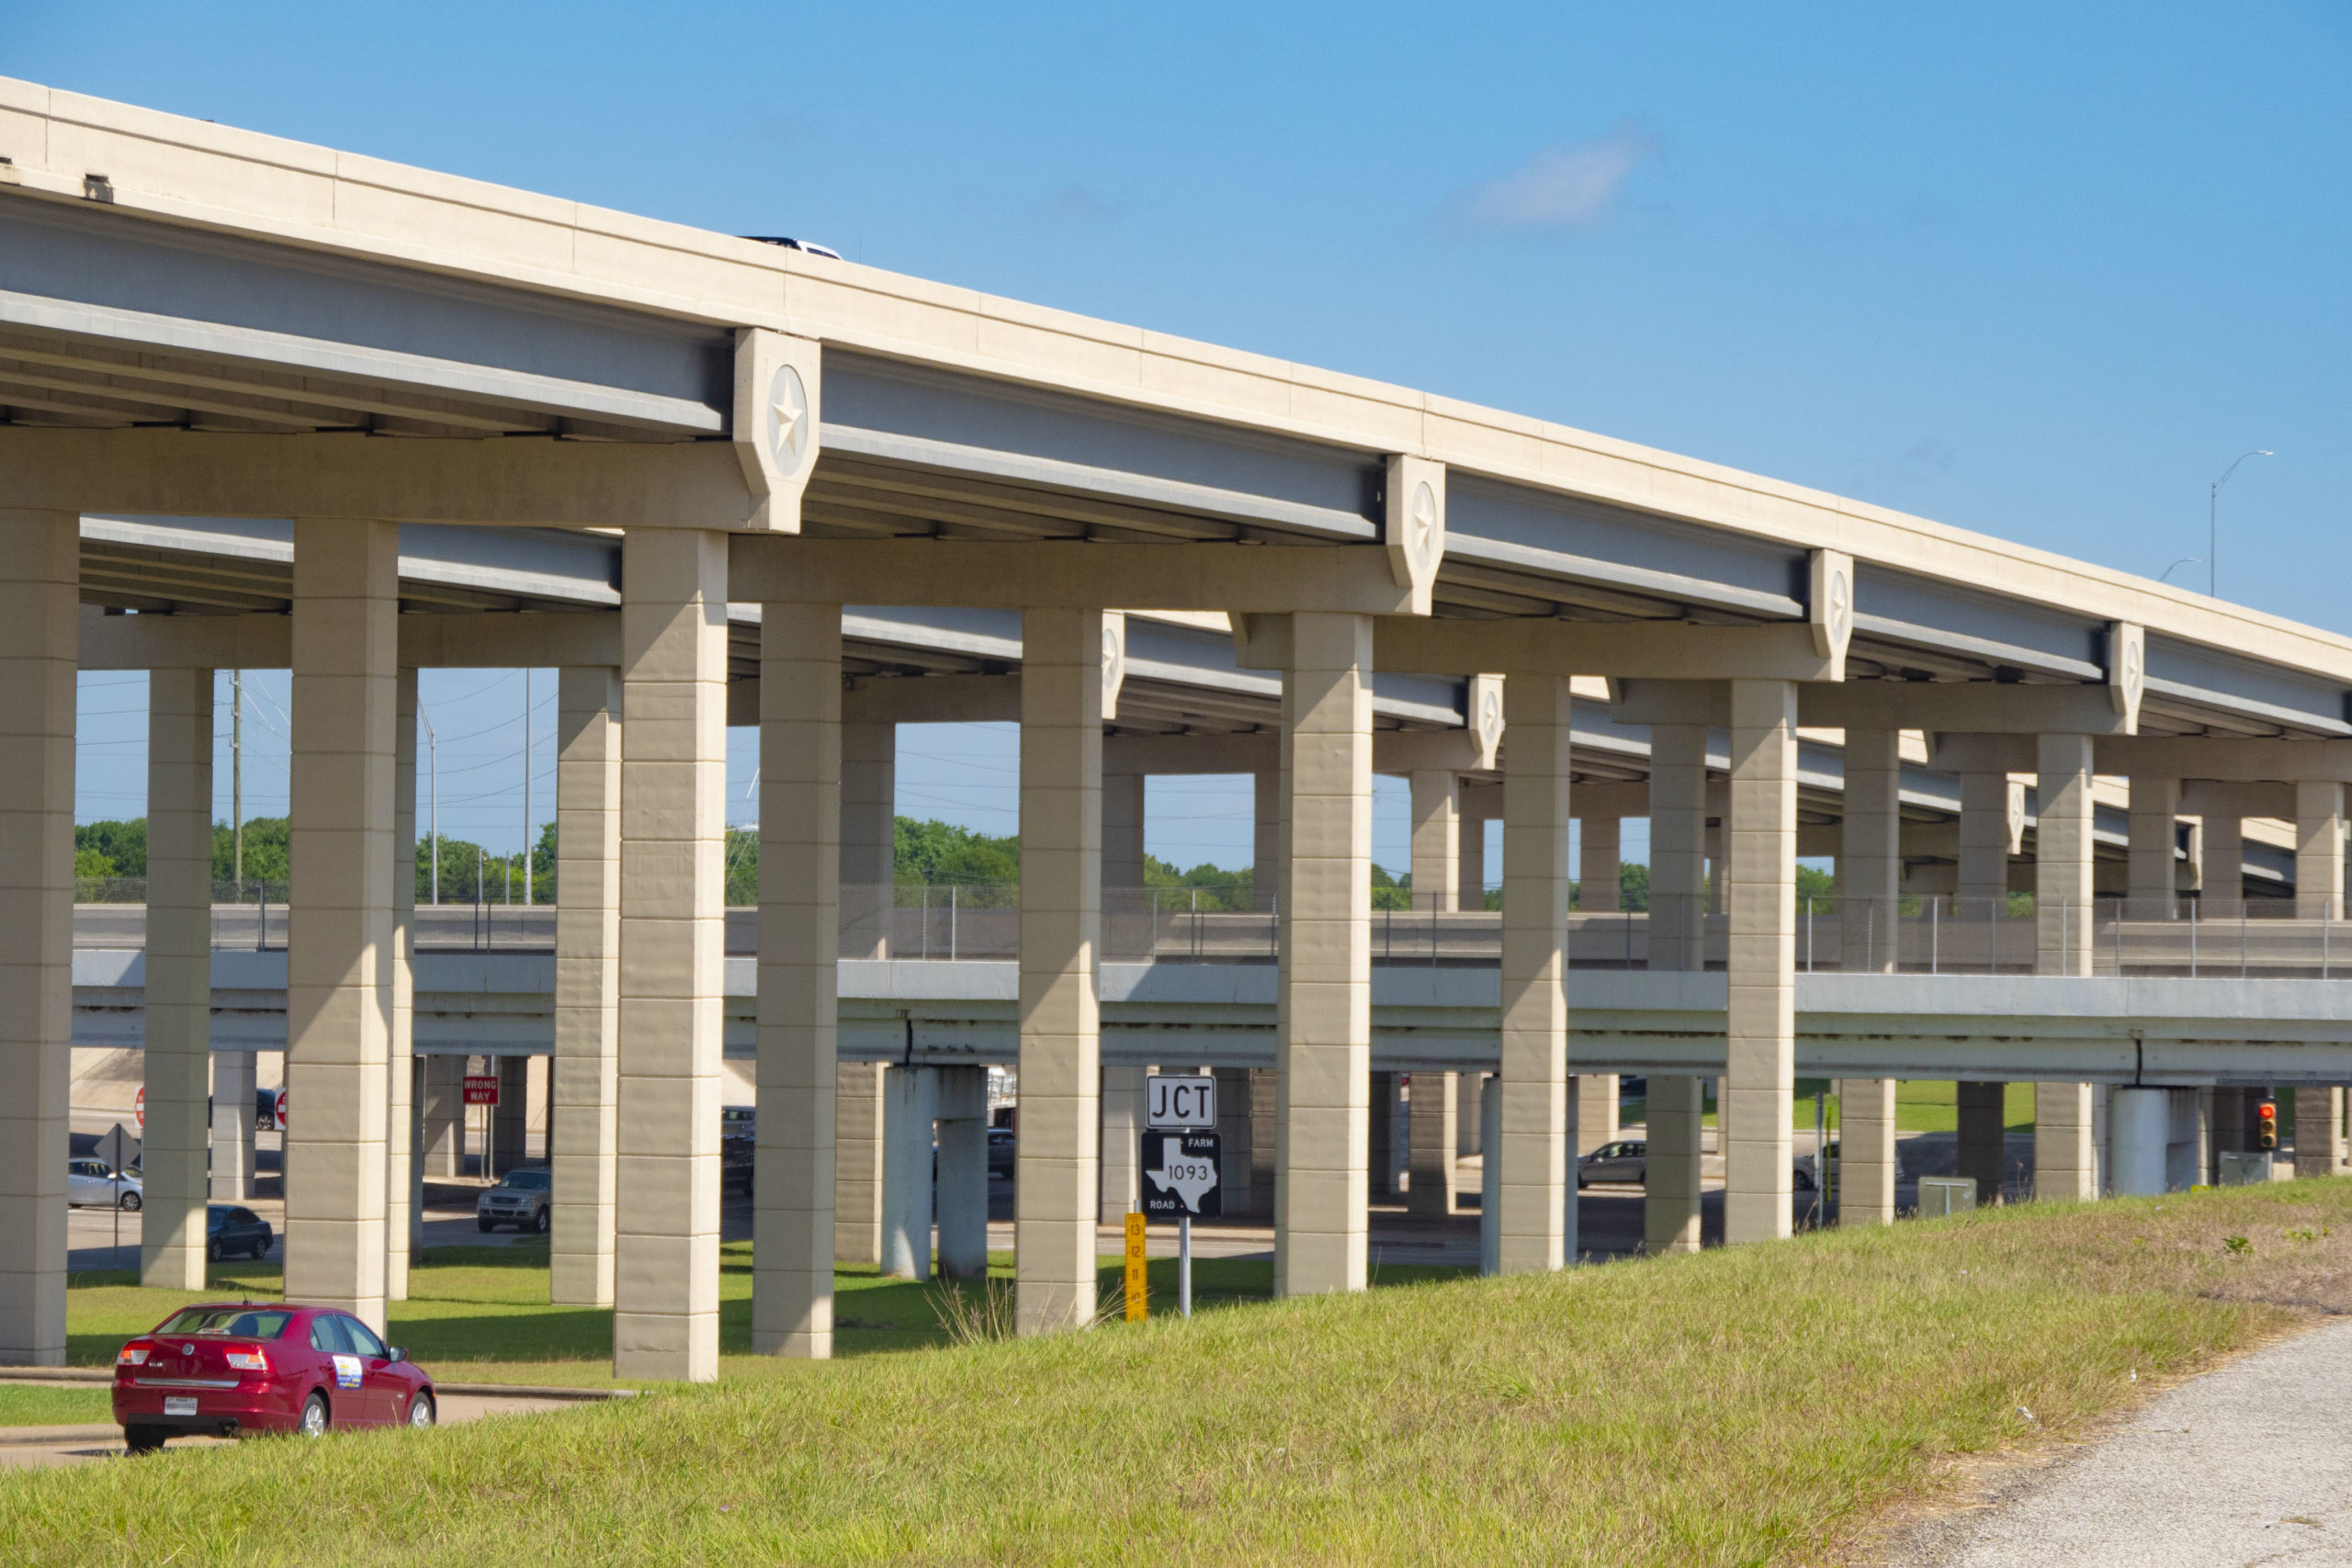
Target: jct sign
x,y
482,1089
1174,1103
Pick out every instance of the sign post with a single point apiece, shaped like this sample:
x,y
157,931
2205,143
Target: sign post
x,y
117,1149
1138,1278
1182,1156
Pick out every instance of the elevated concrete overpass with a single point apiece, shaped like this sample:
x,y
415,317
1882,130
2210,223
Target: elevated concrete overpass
x,y
200,323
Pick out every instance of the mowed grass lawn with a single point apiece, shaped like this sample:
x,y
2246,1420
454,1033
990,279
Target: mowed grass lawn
x,y
480,1313
1743,1406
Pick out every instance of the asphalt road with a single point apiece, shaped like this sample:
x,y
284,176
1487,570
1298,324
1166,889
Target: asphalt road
x,y
2250,1464
34,1448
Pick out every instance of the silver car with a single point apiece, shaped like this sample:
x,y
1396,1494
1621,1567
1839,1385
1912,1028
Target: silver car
x,y
520,1200
90,1183
1628,1160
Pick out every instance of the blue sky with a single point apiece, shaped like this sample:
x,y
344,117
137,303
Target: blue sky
x,y
2038,271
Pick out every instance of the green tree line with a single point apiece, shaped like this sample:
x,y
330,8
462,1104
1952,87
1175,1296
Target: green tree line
x,y
925,852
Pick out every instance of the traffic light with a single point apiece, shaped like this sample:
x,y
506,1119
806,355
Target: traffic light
x,y
2266,1125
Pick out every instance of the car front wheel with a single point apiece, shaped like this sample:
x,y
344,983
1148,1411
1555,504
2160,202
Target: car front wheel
x,y
485,1226
420,1411
131,1204
540,1224
314,1416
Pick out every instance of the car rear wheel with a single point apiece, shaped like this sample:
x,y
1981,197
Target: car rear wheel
x,y
212,1250
420,1411
142,1439
131,1204
314,1416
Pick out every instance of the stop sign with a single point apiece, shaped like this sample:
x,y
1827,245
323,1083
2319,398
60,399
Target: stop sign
x,y
138,1107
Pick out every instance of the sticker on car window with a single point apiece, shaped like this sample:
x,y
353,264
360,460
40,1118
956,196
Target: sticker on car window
x,y
347,1372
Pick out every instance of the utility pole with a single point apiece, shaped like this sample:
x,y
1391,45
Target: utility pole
x,y
526,787
237,780
432,750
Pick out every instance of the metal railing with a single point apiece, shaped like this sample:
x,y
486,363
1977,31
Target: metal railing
x,y
1919,934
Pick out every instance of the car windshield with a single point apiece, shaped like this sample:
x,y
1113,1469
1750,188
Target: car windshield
x,y
526,1181
237,1322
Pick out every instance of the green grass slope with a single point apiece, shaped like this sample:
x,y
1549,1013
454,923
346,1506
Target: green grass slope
x,y
1734,1407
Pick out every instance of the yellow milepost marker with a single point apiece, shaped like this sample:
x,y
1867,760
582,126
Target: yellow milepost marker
x,y
1138,1285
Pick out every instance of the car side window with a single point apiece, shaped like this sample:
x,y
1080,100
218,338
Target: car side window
x,y
242,1216
326,1334
361,1338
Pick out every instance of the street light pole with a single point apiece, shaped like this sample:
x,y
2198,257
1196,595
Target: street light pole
x,y
432,750
2212,524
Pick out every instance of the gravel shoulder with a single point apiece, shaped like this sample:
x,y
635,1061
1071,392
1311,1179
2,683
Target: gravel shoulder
x,y
2248,1464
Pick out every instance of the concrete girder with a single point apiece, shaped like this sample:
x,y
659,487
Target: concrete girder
x,y
1342,578
550,483
2227,758
1632,649
1977,706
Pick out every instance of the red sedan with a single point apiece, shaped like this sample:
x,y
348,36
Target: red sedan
x,y
230,1369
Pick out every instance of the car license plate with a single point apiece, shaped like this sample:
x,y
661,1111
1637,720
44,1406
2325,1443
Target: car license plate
x,y
179,1405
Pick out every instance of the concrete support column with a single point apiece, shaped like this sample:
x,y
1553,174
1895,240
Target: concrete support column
x,y
2319,1130
1980,1139
1535,1218
2319,851
800,860
961,1198
1323,1025
1595,1101
1490,1180
1600,868
1984,878
869,796
909,1106
2066,1164
1470,887
510,1119
39,591
1122,1124
1432,1115
1759,1023
1061,935
441,1118
2065,1143
857,1163
400,1050
2150,881
1466,1125
2222,895
232,1125
1717,863
1123,814
582,1150
1237,1163
1870,850
1384,1131
1676,1121
1436,839
1266,873
339,924
1676,1108
1866,1167
673,948
2138,1129
179,978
